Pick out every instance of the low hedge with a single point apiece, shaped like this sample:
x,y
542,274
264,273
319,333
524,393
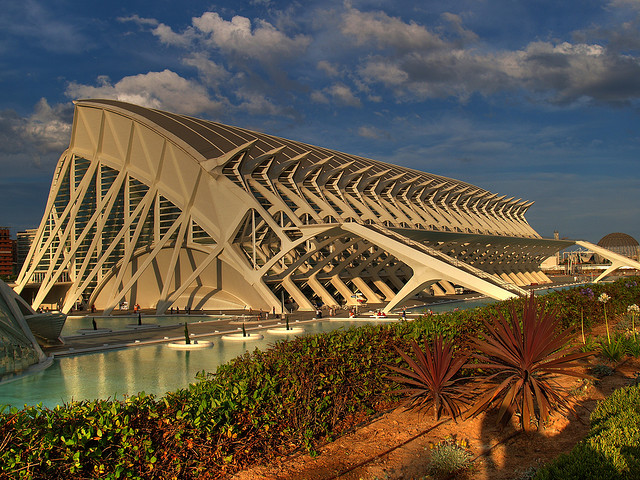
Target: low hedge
x,y
297,394
611,450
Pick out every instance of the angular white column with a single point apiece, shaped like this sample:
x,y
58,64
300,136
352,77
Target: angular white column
x,y
303,302
371,296
322,292
383,287
345,291
447,287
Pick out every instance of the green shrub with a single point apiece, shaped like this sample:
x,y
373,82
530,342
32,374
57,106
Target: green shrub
x,y
260,405
611,450
613,349
632,346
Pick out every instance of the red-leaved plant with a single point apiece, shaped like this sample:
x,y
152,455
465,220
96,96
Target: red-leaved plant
x,y
525,352
429,381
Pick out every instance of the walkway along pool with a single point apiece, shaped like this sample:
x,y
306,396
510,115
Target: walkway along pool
x,y
154,368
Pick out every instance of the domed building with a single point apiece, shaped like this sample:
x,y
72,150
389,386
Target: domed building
x,y
622,244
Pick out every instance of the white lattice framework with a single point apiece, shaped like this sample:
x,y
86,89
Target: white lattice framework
x,y
161,209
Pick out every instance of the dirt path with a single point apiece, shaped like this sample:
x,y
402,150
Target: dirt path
x,y
396,445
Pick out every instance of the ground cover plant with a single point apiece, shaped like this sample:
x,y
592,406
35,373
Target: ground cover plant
x,y
611,450
448,457
295,395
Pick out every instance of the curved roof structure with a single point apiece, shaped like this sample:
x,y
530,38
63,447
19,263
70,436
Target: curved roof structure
x,y
163,209
18,347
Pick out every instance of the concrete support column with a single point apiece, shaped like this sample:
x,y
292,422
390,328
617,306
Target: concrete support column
x,y
371,296
345,291
530,277
504,276
384,288
523,278
322,292
396,281
303,302
536,278
417,283
447,287
514,279
544,276
540,277
438,290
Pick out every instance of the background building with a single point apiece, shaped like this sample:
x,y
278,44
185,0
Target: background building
x,y
620,243
23,243
7,253
160,209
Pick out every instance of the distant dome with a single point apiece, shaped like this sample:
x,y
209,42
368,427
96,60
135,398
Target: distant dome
x,y
621,243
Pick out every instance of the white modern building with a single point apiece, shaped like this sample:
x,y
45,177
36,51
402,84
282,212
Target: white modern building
x,y
161,210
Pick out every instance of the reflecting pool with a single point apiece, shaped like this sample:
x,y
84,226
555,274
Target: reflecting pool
x,y
153,369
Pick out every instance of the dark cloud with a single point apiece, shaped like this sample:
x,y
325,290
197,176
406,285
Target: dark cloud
x,y
427,65
35,142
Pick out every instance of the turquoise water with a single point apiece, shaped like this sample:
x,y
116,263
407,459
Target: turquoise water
x,y
447,306
153,369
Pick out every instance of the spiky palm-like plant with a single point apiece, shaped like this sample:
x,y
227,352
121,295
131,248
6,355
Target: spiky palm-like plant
x,y
429,381
525,352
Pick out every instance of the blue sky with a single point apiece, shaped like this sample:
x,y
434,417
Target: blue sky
x,y
533,99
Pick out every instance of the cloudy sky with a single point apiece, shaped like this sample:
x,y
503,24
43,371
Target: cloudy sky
x,y
533,99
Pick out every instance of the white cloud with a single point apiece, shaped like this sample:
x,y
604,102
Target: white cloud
x,y
47,129
263,42
163,90
387,31
35,141
38,23
328,68
343,95
319,97
210,72
380,70
372,132
257,104
139,20
569,72
633,4
169,37
426,65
